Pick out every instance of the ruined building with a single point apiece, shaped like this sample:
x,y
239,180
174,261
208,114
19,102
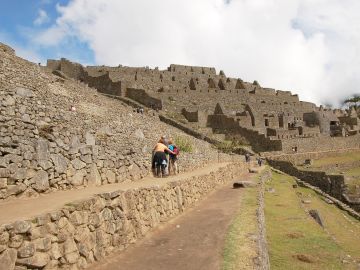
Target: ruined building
x,y
211,102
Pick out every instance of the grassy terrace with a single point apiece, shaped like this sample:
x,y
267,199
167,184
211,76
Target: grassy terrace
x,y
336,159
296,241
340,164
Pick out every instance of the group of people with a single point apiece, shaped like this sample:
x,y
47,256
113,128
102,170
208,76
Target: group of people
x,y
259,160
164,157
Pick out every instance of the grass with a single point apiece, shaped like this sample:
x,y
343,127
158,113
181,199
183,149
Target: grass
x,y
184,144
340,164
354,172
239,247
296,241
337,159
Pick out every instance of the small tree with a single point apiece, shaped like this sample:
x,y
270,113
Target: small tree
x,y
353,101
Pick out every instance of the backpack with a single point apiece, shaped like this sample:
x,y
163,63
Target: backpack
x,y
176,150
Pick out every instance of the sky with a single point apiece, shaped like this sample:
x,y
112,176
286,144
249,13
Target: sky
x,y
309,47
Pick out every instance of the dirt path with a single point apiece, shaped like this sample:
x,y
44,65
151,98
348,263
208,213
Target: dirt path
x,y
194,240
22,209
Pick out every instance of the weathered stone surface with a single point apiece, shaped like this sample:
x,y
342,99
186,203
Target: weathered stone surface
x,y
39,260
77,218
74,145
4,238
26,250
26,118
243,184
21,226
23,92
110,176
89,138
78,178
3,183
4,172
9,101
55,252
86,158
78,164
43,154
43,244
8,259
41,181
106,214
16,241
60,163
72,257
20,174
93,177
15,189
139,134
71,251
316,216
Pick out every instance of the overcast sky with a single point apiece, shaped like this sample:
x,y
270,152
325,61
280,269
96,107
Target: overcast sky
x,y
311,47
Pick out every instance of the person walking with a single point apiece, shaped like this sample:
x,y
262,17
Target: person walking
x,y
173,167
159,162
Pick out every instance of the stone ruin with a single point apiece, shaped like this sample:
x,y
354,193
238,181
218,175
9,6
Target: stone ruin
x,y
211,103
45,146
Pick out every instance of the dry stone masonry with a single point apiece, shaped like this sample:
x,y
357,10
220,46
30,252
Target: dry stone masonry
x,y
45,145
85,231
268,119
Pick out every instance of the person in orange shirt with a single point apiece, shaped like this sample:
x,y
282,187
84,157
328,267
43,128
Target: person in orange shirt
x,y
159,161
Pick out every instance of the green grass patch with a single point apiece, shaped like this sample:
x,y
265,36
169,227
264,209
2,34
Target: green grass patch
x,y
240,247
296,241
337,159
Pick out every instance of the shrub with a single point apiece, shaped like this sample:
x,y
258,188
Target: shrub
x,y
184,144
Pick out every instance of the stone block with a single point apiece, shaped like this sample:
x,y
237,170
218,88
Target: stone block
x,y
41,181
21,226
43,244
78,164
316,216
78,178
8,259
23,92
26,250
60,163
89,138
93,177
244,184
39,260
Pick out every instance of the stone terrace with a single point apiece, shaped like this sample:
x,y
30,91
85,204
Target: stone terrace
x,y
45,146
268,119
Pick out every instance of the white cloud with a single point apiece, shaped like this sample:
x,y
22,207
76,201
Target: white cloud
x,y
21,51
41,18
311,47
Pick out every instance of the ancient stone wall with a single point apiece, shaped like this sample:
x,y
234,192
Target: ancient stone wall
x,y
104,84
318,144
142,97
60,134
331,184
86,231
232,129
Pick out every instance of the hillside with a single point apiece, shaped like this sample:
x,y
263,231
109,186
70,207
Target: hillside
x,y
46,146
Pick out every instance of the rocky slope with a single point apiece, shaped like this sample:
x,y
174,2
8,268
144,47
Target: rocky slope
x,y
46,146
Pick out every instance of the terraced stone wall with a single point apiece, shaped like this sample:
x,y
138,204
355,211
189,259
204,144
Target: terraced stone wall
x,y
85,231
331,184
322,143
46,145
